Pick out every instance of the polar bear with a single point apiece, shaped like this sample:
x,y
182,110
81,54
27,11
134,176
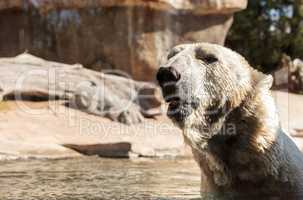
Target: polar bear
x,y
229,119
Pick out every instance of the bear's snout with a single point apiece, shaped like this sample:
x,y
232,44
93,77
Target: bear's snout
x,y
168,75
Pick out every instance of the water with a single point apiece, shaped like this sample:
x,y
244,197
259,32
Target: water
x,y
94,178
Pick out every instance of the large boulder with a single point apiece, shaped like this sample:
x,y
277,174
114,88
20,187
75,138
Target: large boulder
x,y
195,6
46,118
130,35
26,77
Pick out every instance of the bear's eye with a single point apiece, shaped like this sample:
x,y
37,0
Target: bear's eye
x,y
210,59
207,58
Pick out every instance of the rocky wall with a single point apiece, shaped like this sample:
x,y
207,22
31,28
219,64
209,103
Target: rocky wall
x,y
131,38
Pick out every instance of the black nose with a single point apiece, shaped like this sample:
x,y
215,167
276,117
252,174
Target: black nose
x,y
168,75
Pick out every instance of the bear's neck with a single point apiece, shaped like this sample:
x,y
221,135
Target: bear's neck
x,y
255,123
231,157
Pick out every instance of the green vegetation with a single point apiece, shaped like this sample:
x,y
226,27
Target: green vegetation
x,y
266,30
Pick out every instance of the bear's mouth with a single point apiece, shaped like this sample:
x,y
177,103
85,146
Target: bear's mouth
x,y
173,103
177,110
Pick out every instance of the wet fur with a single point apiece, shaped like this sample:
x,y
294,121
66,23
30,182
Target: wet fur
x,y
241,149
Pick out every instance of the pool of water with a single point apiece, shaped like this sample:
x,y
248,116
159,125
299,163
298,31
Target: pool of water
x,y
94,178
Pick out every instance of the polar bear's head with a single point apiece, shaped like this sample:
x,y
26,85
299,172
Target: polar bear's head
x,y
203,83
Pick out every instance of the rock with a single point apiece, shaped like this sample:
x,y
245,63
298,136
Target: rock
x,y
112,150
281,76
51,130
200,6
38,124
27,77
296,77
132,35
289,76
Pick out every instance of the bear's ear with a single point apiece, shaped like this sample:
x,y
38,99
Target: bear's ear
x,y
262,81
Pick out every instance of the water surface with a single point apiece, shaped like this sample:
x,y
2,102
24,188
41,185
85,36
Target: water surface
x,y
94,178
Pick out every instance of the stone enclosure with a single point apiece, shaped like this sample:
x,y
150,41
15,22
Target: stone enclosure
x,y
129,35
